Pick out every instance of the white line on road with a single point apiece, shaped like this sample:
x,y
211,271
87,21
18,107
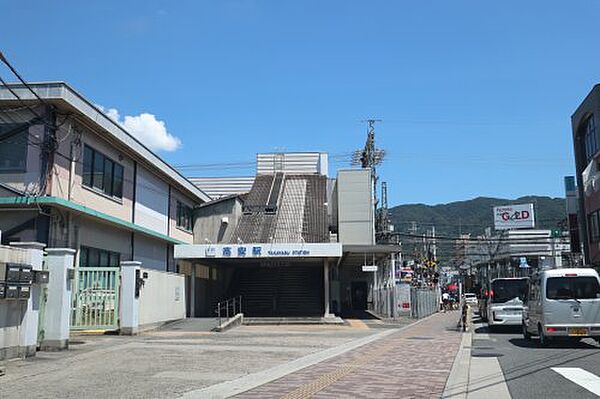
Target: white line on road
x,y
579,376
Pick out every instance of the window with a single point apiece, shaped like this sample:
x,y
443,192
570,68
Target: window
x,y
102,173
184,216
505,290
94,257
591,141
594,226
13,147
580,287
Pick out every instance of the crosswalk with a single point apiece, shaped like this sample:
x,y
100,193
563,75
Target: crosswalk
x,y
581,377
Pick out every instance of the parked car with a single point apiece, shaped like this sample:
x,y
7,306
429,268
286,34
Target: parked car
x,y
563,303
471,299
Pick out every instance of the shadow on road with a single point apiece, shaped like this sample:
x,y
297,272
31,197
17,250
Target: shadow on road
x,y
498,330
555,344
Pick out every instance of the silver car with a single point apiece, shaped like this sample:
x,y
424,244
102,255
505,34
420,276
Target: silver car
x,y
563,303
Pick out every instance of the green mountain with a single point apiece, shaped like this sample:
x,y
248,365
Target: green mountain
x,y
471,216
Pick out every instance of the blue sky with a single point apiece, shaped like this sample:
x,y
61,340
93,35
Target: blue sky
x,y
475,96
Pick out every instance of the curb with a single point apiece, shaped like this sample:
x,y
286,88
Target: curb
x,y
457,385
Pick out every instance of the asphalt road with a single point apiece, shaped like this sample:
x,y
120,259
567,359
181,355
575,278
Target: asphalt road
x,y
528,368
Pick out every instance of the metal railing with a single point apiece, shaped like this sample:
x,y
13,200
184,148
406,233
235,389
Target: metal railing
x,y
228,309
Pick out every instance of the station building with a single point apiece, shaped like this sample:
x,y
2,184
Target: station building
x,y
293,245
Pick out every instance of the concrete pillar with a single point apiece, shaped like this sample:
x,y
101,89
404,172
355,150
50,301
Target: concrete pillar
x,y
29,326
326,287
130,305
193,291
57,317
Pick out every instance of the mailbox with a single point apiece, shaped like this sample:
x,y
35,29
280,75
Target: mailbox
x,y
13,273
16,280
41,276
26,275
12,291
24,292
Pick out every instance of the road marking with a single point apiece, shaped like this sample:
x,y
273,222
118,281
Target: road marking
x,y
579,376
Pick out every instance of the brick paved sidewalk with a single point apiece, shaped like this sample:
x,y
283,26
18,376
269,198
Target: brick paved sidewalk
x,y
413,363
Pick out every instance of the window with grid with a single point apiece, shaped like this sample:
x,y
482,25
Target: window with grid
x,y
591,141
594,226
184,216
95,257
102,173
13,147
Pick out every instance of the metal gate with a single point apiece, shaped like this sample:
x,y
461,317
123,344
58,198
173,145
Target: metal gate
x,y
96,299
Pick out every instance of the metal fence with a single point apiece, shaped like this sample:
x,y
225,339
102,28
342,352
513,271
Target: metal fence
x,y
424,302
389,302
383,301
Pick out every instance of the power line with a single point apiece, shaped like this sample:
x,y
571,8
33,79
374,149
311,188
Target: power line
x,y
14,71
507,240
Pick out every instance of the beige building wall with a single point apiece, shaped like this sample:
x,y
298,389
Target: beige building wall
x,y
80,194
103,236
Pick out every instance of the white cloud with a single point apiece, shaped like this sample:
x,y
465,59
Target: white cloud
x,y
146,128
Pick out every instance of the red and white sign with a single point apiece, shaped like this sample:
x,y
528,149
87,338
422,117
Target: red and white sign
x,y
514,217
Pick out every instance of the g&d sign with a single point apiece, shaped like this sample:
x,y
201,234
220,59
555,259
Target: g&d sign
x,y
514,217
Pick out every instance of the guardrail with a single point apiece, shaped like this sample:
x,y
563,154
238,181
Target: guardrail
x,y
228,309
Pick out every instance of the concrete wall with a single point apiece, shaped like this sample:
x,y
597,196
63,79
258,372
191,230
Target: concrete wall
x,y
209,224
19,319
356,223
162,298
292,162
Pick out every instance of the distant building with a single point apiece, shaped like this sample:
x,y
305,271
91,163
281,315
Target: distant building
x,y
586,144
572,211
516,253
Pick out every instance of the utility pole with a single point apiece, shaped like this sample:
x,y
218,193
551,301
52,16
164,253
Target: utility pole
x,y
383,221
434,243
369,157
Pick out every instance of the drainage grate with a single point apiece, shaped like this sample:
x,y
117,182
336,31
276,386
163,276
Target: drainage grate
x,y
420,338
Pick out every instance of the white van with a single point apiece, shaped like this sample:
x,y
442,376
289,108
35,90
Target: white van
x,y
504,305
563,303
